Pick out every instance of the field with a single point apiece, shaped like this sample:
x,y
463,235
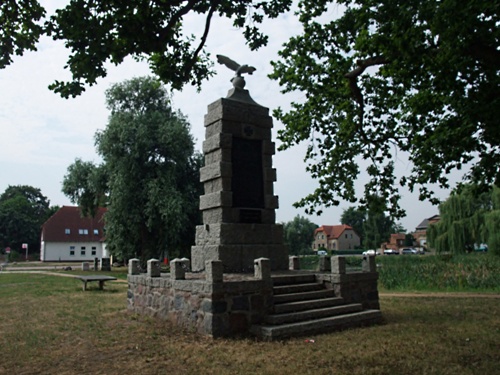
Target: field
x,y
49,325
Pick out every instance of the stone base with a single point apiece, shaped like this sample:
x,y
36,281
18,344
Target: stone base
x,y
237,245
239,258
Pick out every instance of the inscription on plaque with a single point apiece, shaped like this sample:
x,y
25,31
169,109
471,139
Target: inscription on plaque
x,y
250,216
248,177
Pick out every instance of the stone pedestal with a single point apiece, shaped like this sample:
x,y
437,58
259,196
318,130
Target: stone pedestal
x,y
238,204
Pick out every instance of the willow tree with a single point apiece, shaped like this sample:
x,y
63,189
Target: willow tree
x,y
149,175
492,224
462,224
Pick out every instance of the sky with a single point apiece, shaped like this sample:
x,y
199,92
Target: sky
x,y
41,134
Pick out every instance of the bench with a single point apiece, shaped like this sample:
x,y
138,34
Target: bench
x,y
102,279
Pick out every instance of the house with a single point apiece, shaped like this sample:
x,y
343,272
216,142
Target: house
x,y
67,236
420,234
396,242
335,237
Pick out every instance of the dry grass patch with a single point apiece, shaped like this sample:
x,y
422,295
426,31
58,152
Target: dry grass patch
x,y
50,326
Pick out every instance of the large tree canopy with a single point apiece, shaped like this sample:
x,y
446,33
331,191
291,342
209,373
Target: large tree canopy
x,y
97,32
149,177
421,76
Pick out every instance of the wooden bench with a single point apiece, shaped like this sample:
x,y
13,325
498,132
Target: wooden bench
x,y
101,278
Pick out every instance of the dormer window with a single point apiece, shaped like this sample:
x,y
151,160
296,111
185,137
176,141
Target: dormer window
x,y
83,231
96,232
67,231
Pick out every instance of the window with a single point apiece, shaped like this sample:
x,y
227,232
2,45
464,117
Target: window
x,y
346,235
93,250
351,236
96,231
82,250
72,252
83,231
67,231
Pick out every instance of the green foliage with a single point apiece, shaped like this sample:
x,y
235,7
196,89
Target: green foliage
x,y
462,224
473,272
86,184
19,29
491,228
372,224
144,30
150,174
420,76
23,210
299,235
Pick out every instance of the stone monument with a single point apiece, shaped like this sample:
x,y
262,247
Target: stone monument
x,y
238,205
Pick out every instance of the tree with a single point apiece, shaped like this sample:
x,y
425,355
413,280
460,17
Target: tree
x,y
492,224
462,222
377,227
149,174
299,235
420,76
23,210
356,218
145,30
86,184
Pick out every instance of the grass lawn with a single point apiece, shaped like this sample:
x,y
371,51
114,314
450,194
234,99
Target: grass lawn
x,y
48,325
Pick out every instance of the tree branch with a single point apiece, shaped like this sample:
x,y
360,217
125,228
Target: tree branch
x,y
352,76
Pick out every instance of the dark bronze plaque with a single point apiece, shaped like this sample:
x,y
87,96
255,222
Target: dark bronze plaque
x,y
248,175
250,216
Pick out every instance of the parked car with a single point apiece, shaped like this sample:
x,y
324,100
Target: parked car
x,y
370,252
322,252
408,251
391,252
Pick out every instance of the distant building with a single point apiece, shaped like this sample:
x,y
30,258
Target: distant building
x,y
396,242
335,237
420,234
67,236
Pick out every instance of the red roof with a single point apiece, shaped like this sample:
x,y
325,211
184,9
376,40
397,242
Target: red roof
x,y
333,231
68,225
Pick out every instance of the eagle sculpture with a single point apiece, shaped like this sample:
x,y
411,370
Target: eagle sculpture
x,y
233,65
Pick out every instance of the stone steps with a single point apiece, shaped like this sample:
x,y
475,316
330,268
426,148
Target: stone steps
x,y
304,296
293,279
323,325
312,314
302,306
287,307
296,288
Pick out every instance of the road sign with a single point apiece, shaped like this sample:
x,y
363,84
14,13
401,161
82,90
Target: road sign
x,y
7,250
25,246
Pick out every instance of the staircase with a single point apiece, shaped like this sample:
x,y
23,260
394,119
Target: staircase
x,y
303,306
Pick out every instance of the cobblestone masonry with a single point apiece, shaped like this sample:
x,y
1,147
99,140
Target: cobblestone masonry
x,y
229,307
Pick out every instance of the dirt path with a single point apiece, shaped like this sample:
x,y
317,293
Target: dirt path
x,y
439,295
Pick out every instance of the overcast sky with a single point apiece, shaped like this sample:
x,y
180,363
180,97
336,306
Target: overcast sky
x,y
41,134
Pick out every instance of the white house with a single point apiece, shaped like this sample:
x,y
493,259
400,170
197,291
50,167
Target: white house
x,y
67,236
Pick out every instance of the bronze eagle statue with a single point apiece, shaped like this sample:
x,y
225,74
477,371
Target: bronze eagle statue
x,y
233,65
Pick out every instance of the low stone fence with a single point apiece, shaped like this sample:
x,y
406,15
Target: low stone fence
x,y
221,305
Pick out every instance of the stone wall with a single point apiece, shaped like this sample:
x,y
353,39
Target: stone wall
x,y
209,303
221,305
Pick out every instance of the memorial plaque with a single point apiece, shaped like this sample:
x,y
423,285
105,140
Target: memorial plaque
x,y
250,216
248,177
